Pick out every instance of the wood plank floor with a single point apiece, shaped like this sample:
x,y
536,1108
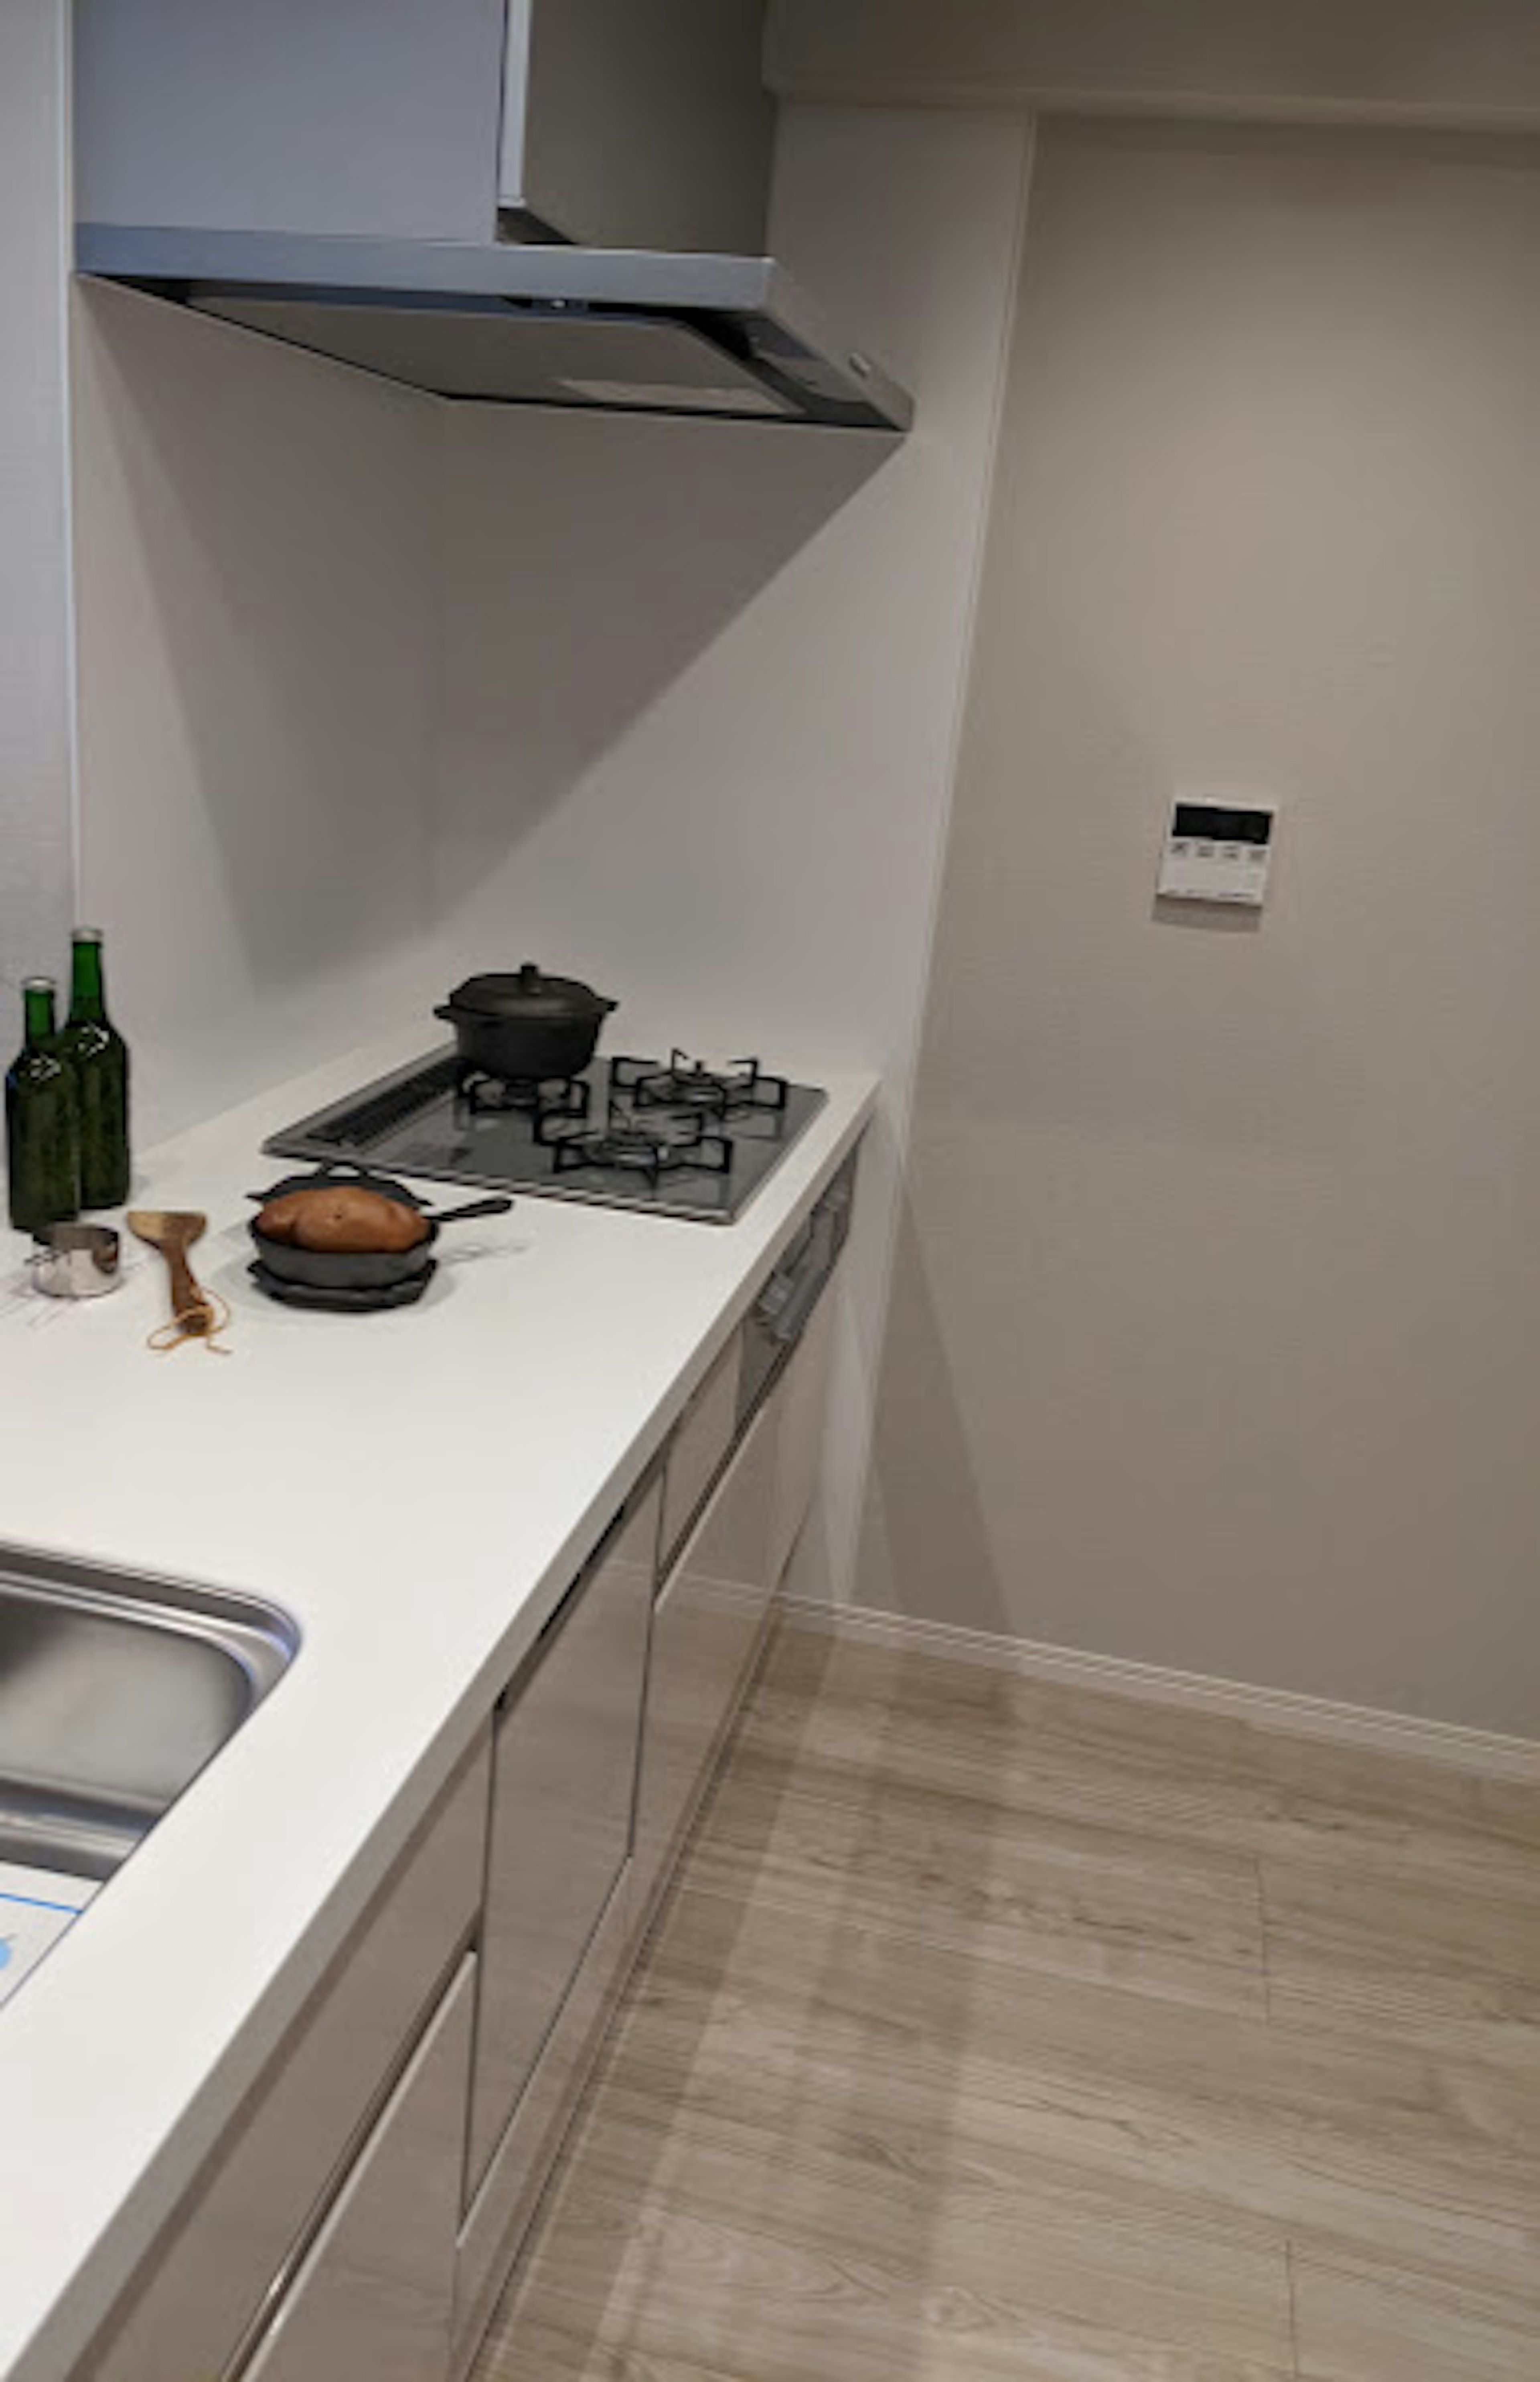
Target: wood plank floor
x,y
999,2031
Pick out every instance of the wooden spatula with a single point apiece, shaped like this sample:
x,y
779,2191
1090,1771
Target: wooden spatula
x,y
173,1230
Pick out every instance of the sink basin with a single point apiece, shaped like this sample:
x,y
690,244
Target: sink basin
x,y
114,1692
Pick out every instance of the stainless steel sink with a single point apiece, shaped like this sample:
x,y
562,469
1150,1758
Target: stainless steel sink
x,y
114,1694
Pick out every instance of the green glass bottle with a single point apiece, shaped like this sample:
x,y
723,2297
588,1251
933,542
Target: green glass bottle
x,y
43,1138
99,1057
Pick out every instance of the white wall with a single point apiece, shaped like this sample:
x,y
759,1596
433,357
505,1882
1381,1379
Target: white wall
x,y
257,553
35,847
702,679
1449,62
1216,1332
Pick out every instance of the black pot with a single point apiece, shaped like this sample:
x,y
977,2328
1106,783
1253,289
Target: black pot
x,y
355,1269
526,1027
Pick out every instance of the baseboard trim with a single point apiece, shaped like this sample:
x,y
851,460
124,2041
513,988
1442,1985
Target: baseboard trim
x,y
1475,1750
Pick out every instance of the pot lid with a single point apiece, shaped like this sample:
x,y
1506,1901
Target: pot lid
x,y
529,994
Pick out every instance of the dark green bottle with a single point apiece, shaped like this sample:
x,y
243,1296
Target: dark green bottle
x,y
99,1057
43,1140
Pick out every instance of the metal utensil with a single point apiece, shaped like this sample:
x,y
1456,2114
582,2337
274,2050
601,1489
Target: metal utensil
x,y
76,1260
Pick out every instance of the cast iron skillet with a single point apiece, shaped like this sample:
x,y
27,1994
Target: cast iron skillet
x,y
358,1269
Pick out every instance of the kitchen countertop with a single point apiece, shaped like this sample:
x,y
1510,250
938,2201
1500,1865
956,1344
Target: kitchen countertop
x,y
417,1489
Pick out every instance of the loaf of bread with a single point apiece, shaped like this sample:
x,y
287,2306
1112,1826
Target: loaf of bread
x,y
344,1219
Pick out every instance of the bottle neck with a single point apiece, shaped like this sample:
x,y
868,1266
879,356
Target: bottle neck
x,y
86,996
37,1002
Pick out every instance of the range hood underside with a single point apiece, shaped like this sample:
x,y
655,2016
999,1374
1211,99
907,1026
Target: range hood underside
x,y
610,330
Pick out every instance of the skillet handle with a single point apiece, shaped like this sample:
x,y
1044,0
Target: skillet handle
x,y
476,1208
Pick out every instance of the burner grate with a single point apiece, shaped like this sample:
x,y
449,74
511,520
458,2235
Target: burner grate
x,y
686,1083
651,1146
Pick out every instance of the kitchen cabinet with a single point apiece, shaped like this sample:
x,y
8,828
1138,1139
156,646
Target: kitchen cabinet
x,y
558,1928
702,1437
564,1773
638,123
611,123
804,1392
713,1602
257,2206
375,118
705,1627
499,2216
375,2295
362,2212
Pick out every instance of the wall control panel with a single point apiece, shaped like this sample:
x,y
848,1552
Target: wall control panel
x,y
1218,852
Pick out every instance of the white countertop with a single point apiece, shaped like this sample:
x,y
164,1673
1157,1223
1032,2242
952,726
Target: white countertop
x,y
416,1488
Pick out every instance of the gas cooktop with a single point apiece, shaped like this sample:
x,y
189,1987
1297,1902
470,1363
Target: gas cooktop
x,y
673,1137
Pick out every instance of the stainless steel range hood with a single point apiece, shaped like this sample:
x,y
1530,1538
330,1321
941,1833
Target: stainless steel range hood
x,y
619,329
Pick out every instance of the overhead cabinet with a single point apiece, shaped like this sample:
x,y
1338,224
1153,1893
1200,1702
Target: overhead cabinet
x,y
637,123
375,118
609,123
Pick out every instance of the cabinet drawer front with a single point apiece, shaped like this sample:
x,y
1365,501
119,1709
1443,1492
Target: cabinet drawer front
x,y
564,1780
504,2207
375,2295
705,1627
703,1637
204,2282
804,1391
702,1437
